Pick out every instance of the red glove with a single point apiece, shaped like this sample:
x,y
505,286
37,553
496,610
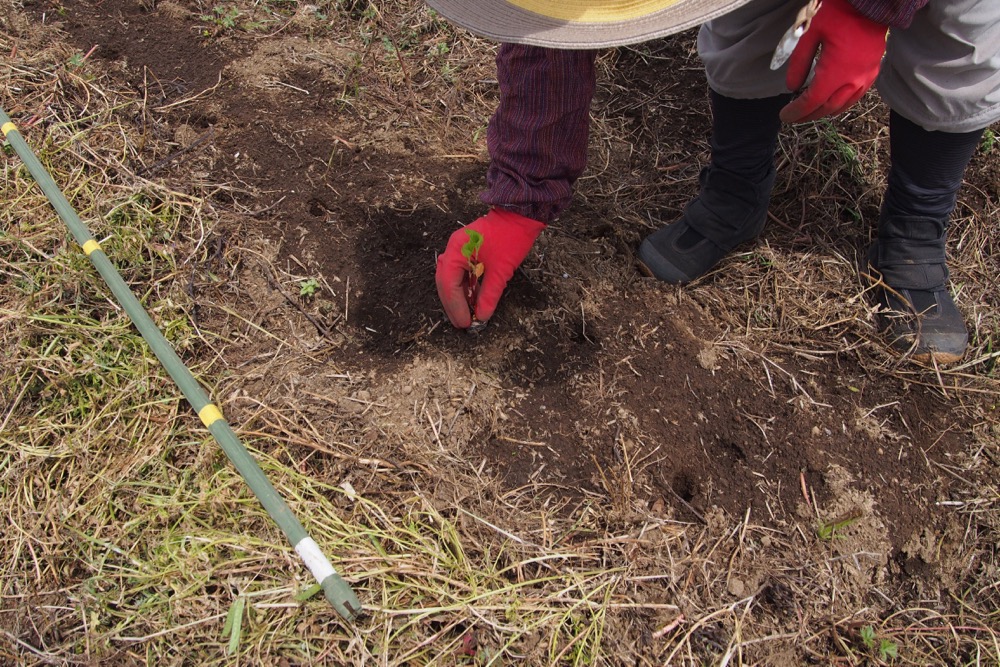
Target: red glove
x,y
507,238
853,46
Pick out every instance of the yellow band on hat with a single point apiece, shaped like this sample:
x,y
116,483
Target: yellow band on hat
x,y
7,128
594,11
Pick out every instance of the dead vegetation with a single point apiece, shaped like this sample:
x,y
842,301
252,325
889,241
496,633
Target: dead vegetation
x,y
532,497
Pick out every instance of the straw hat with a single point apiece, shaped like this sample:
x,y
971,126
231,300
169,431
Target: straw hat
x,y
580,24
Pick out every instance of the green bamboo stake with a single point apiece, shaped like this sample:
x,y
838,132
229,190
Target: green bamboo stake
x,y
337,591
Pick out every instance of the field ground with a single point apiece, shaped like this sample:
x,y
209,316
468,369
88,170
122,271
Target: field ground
x,y
615,472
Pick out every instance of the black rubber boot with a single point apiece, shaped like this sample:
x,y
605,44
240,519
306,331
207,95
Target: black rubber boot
x,y
728,211
916,312
907,262
731,207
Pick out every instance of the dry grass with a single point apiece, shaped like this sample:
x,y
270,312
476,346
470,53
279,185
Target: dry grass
x,y
128,538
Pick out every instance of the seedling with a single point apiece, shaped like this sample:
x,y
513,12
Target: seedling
x,y
77,59
887,649
307,288
475,270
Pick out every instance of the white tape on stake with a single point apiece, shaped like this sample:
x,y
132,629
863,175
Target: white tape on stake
x,y
314,559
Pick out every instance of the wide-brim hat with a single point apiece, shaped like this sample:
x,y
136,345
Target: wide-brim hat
x,y
580,24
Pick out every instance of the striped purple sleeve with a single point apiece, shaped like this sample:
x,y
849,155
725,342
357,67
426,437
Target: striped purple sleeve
x,y
537,137
893,13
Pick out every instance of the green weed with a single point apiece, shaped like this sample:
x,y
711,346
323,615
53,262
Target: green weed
x,y
307,288
989,141
222,17
885,649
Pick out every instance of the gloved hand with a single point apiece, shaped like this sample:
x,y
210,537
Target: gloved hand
x,y
507,238
853,46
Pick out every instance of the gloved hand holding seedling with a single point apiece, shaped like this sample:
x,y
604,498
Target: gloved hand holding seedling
x,y
478,262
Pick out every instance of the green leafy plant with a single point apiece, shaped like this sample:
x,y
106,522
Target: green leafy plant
x,y
307,288
77,59
439,50
989,140
887,649
470,250
224,17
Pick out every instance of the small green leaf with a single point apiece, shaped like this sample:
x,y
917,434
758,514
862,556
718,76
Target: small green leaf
x,y
888,649
228,625
472,246
868,636
829,530
234,624
304,595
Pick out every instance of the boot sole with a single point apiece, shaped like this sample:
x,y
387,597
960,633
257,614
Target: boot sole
x,y
937,358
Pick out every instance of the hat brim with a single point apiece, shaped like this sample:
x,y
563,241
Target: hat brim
x,y
504,21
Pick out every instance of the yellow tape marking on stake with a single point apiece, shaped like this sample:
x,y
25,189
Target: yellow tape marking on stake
x,y
90,246
7,128
209,414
